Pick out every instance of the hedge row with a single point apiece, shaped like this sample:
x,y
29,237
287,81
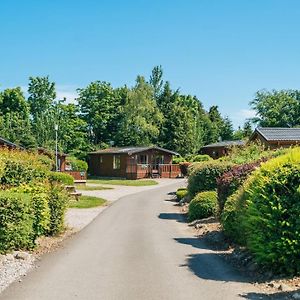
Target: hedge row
x,y
28,212
32,200
264,214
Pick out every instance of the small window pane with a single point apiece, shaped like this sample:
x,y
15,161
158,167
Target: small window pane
x,y
116,162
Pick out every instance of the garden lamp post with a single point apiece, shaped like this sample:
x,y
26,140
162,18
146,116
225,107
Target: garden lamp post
x,y
56,147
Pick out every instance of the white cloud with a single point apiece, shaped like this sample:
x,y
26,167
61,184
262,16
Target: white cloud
x,y
68,92
247,113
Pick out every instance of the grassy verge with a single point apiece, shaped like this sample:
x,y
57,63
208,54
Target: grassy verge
x,y
87,202
91,188
141,182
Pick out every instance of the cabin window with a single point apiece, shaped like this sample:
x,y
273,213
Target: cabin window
x,y
160,159
101,159
117,162
143,159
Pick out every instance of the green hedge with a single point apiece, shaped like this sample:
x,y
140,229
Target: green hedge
x,y
200,158
16,221
58,202
62,178
264,214
203,205
204,175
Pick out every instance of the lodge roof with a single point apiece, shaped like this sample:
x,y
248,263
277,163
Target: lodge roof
x,y
9,143
131,150
278,133
224,144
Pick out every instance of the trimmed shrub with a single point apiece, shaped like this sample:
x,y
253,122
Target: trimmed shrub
x,y
58,202
203,176
231,180
18,167
16,222
232,217
273,201
267,210
203,205
199,158
77,164
181,193
62,178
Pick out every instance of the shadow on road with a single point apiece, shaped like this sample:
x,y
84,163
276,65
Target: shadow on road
x,y
173,216
275,296
200,243
212,266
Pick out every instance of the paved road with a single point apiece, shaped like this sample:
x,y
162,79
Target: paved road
x,y
137,249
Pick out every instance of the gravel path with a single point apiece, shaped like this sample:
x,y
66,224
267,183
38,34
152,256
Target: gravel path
x,y
13,267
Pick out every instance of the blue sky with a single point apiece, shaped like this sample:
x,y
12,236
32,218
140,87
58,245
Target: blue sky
x,y
221,51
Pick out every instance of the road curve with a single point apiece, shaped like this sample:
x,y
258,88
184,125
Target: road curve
x,y
137,249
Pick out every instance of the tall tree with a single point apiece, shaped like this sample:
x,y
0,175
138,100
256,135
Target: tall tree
x,y
277,108
156,81
141,117
100,107
41,95
15,122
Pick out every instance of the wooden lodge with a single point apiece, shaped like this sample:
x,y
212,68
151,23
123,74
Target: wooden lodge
x,y
276,137
133,163
220,149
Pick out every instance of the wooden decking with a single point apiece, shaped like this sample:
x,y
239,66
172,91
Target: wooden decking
x,y
138,171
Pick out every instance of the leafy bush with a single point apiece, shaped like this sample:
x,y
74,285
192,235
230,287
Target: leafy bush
x,y
274,203
58,202
199,158
59,177
203,176
203,205
267,210
231,180
18,167
16,221
76,164
232,216
181,193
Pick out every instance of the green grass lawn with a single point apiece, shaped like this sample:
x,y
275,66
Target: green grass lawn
x,y
91,188
87,202
140,182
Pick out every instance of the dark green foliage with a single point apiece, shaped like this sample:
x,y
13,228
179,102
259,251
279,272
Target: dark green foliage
x,y
204,175
58,202
16,230
184,168
62,178
203,205
181,193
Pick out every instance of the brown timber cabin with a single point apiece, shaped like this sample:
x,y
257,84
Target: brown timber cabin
x,y
133,163
220,149
276,137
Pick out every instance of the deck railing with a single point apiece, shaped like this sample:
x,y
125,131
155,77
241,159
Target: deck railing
x,y
147,170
